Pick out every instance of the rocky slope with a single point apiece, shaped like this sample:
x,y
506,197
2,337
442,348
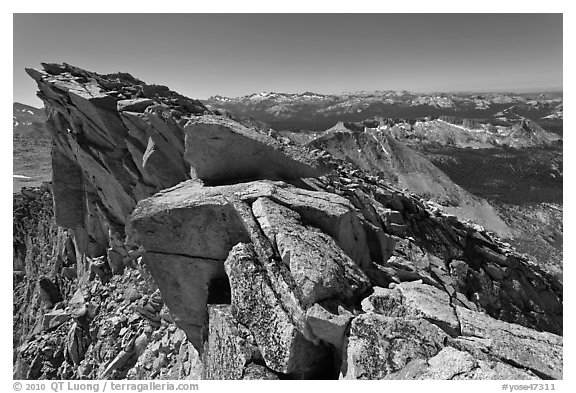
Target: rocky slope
x,y
506,189
524,185
377,152
78,318
272,261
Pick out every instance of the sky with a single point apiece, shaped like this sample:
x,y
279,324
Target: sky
x,y
201,55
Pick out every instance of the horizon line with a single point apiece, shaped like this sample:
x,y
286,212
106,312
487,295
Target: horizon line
x,y
508,91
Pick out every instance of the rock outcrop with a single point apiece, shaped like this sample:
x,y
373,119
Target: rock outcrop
x,y
271,261
460,343
460,269
117,140
220,150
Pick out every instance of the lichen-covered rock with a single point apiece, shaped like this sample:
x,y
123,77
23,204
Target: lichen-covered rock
x,y
259,372
229,348
481,346
417,300
384,301
451,363
540,352
332,214
327,326
379,345
278,327
319,267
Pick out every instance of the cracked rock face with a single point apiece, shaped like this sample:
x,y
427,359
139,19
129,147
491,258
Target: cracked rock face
x,y
230,351
416,300
378,345
539,352
479,345
118,140
272,261
186,247
452,364
273,313
319,267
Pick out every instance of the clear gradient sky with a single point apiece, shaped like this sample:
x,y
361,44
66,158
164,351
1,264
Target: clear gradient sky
x,y
200,55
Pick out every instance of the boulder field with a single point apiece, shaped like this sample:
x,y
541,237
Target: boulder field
x,y
240,255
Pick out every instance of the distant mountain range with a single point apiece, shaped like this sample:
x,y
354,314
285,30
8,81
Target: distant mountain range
x,y
450,132
456,120
313,111
452,148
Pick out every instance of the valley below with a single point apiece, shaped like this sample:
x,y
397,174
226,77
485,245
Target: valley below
x,y
524,185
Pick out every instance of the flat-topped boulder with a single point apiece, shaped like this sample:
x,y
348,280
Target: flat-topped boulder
x,y
189,230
